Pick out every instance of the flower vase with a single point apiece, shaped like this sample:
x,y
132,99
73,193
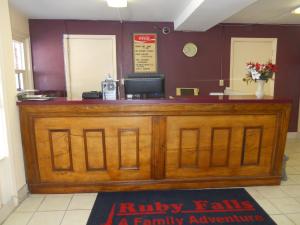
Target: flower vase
x,y
260,88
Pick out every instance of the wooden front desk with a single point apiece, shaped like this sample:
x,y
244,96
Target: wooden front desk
x,y
87,146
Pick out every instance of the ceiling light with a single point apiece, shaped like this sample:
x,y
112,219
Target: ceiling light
x,y
296,11
117,3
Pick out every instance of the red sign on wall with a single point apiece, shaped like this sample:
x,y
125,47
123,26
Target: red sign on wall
x,y
145,38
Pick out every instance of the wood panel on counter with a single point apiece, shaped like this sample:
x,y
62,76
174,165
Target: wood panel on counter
x,y
106,147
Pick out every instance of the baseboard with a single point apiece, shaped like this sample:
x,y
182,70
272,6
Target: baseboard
x,y
6,210
292,135
23,193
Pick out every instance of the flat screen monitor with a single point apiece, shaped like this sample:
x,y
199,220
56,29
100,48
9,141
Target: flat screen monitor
x,y
144,86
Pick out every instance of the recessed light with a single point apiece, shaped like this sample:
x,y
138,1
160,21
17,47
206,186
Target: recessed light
x,y
296,11
117,3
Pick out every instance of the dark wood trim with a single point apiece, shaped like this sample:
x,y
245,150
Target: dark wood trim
x,y
196,165
178,100
137,133
33,143
158,153
154,184
29,147
281,131
50,131
102,131
212,146
261,130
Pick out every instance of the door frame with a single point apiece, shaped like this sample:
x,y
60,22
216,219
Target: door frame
x,y
234,40
66,47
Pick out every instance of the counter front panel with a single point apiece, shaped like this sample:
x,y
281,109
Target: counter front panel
x,y
103,147
107,149
201,146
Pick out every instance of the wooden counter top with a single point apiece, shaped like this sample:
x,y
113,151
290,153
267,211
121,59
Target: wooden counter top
x,y
176,100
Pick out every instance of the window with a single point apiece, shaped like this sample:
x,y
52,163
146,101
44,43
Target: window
x,y
19,63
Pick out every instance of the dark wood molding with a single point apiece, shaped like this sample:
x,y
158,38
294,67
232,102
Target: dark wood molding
x,y
137,148
197,150
261,130
67,131
165,184
282,124
158,153
229,129
102,131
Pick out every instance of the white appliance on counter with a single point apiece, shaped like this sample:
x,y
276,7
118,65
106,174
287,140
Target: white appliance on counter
x,y
109,88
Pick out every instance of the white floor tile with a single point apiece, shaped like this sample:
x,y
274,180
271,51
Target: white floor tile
x,y
297,168
295,178
52,203
37,195
86,194
291,190
272,192
282,220
30,204
295,155
294,217
288,182
297,199
268,207
47,218
82,202
60,195
18,218
255,194
293,162
286,205
76,217
292,170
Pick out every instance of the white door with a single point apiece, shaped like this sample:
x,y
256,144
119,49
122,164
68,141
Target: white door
x,y
244,50
88,60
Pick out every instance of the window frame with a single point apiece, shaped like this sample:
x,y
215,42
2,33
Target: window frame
x,y
27,73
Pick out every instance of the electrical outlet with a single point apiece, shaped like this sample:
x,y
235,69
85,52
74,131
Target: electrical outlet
x,y
122,81
221,83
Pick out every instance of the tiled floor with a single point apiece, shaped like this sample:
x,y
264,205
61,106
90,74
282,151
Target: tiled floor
x,y
67,209
281,202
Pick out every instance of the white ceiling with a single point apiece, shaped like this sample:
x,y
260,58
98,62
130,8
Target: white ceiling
x,y
193,15
137,10
203,16
268,12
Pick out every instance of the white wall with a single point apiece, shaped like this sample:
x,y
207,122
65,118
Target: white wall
x,y
20,31
12,177
19,23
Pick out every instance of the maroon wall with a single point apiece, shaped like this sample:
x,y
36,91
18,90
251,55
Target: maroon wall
x,y
203,71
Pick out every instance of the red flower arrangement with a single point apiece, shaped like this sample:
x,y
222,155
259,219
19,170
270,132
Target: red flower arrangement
x,y
257,71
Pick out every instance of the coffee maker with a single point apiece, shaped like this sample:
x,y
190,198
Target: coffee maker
x,y
109,88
